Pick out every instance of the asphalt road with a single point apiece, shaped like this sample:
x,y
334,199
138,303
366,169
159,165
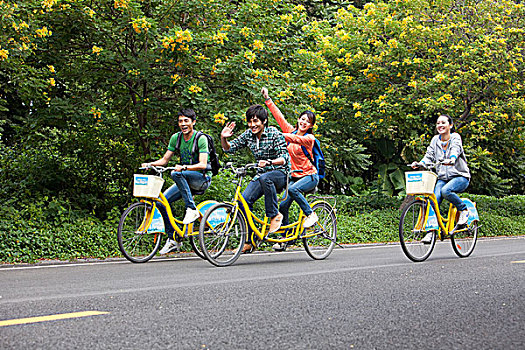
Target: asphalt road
x,y
368,297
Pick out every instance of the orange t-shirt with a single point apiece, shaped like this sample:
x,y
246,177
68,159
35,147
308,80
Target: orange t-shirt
x,y
297,156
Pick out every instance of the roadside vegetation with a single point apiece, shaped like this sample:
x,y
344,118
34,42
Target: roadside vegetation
x,y
90,89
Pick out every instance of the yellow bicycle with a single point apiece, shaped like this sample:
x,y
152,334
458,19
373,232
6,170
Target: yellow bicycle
x,y
224,228
141,226
421,222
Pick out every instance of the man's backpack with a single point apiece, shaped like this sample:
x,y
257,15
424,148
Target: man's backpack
x,y
214,165
318,160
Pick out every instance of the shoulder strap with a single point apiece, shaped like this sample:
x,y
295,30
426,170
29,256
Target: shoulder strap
x,y
195,143
177,145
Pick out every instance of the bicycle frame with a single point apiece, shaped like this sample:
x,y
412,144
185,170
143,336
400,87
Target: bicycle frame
x,y
446,225
186,229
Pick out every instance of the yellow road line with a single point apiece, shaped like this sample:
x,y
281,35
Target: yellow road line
x,y
518,262
50,318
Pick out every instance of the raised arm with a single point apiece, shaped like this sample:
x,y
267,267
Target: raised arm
x,y
279,117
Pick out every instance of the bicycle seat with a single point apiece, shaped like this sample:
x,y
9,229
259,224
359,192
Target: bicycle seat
x,y
196,192
312,191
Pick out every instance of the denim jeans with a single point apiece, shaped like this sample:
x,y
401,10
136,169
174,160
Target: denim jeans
x,y
296,188
448,189
268,184
185,181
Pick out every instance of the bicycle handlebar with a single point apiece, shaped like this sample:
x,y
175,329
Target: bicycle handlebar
x,y
158,169
428,165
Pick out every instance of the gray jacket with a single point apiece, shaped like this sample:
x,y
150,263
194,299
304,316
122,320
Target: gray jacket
x,y
435,152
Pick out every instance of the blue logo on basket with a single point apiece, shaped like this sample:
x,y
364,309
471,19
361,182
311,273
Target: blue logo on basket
x,y
218,217
415,177
141,180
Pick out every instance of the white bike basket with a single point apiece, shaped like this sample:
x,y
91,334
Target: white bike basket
x,y
147,185
420,182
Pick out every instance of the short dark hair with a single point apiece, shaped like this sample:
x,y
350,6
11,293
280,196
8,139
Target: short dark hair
x,y
257,111
188,112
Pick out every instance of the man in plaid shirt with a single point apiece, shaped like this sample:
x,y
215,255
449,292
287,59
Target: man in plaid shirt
x,y
269,148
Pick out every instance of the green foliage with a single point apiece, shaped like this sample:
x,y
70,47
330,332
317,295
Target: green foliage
x,y
91,89
52,230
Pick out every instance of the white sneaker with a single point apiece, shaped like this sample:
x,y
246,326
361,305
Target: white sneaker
x,y
170,246
191,216
310,220
428,238
463,217
279,247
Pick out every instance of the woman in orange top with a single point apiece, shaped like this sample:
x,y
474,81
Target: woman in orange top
x,y
307,179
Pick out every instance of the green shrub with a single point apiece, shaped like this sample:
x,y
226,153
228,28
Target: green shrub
x,y
51,229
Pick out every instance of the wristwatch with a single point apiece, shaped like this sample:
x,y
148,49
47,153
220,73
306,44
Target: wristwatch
x,y
184,167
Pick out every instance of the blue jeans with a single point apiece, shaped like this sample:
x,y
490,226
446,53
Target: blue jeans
x,y
185,181
296,188
268,184
448,189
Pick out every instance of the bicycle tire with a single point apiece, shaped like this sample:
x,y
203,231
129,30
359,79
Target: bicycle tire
x,y
222,235
137,245
411,238
463,242
320,245
195,245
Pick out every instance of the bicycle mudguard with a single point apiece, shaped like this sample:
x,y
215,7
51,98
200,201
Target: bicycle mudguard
x,y
157,223
204,206
218,217
432,221
472,211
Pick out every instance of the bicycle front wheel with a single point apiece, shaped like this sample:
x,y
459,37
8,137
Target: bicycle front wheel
x,y
222,234
320,239
464,242
135,242
412,231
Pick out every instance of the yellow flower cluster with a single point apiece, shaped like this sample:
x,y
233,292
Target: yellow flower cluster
x,y
283,95
89,12
96,49
258,45
47,4
194,89
219,118
140,24
134,72
175,78
250,56
246,31
43,32
51,68
179,38
445,97
4,54
22,25
287,18
220,37
97,113
121,4
393,43
52,82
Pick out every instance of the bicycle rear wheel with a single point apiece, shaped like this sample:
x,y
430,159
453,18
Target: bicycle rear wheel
x,y
464,242
194,241
134,241
412,231
222,234
320,239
